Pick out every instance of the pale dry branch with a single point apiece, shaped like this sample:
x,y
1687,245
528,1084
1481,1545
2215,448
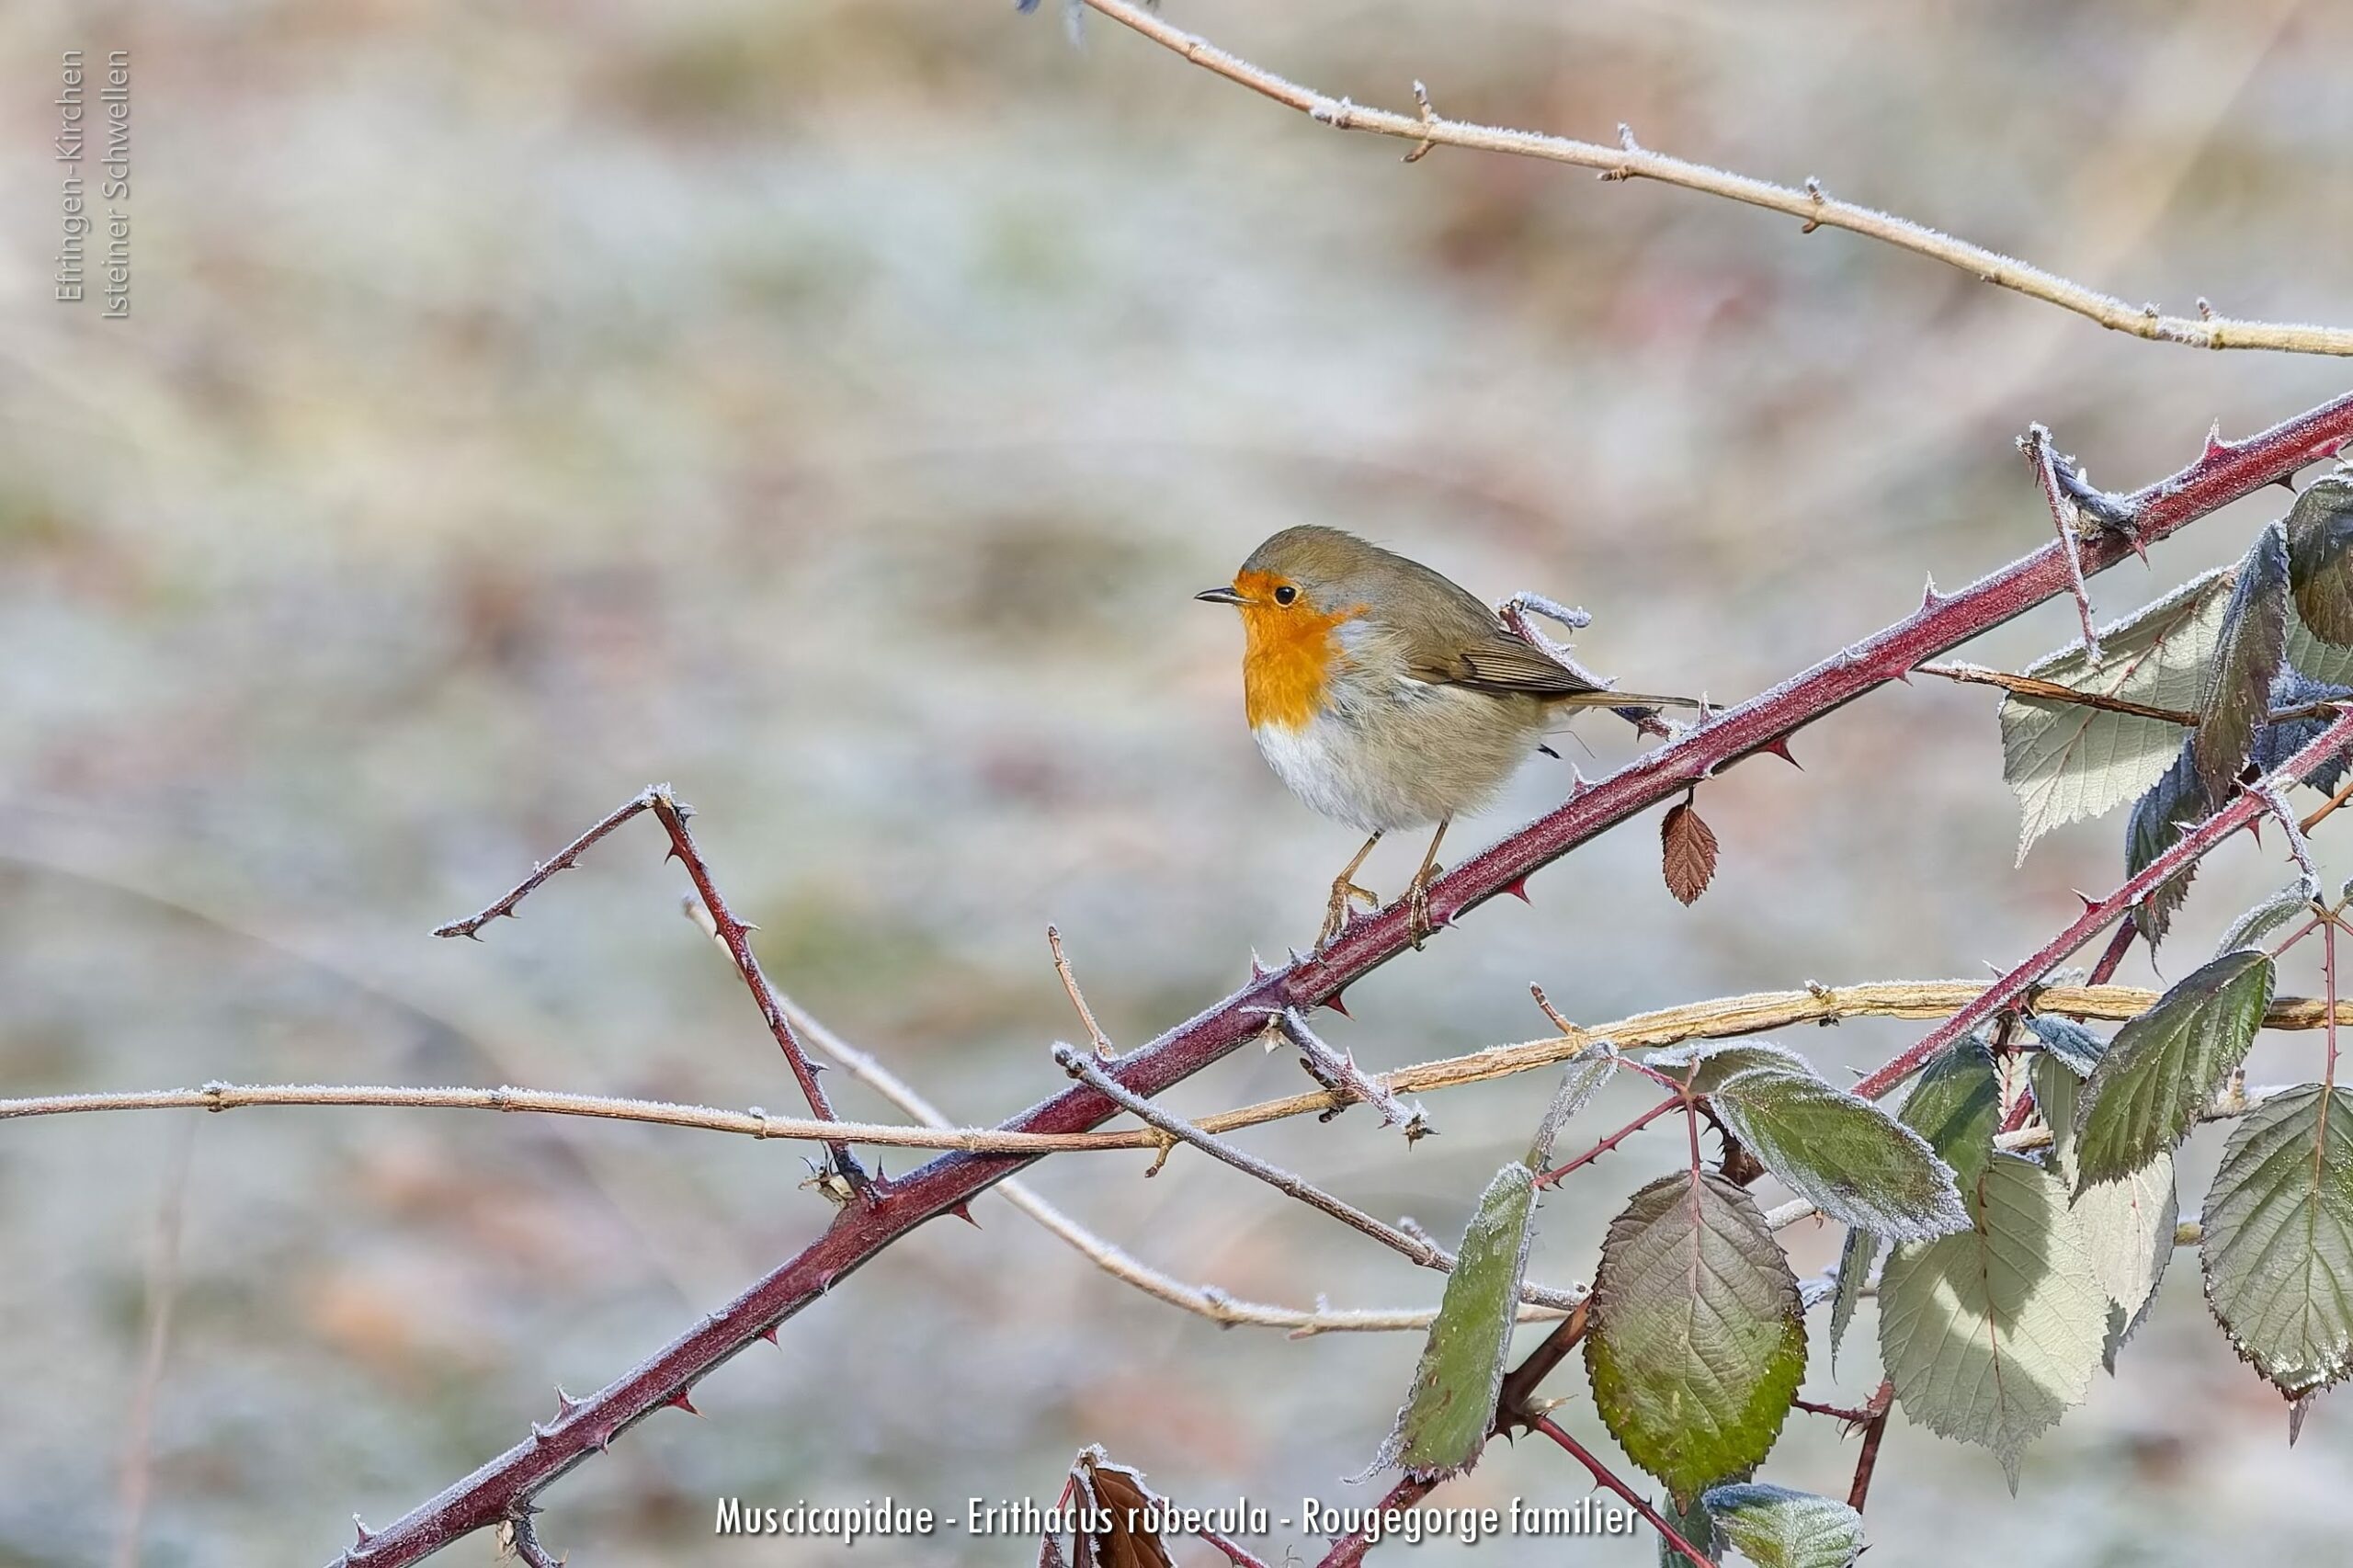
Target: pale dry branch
x,y
1811,205
1418,1249
1204,1300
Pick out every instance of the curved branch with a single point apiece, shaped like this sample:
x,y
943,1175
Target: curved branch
x,y
1628,160
2223,472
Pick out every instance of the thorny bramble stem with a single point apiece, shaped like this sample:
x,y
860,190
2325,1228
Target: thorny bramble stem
x,y
2222,474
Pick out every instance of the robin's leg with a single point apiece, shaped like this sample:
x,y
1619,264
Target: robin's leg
x,y
1417,891
1344,888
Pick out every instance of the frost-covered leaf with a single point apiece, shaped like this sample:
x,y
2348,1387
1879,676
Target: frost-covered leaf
x,y
1718,1062
1854,1272
2162,1068
1843,1155
1992,1333
1695,1524
1584,1079
2315,659
2069,1041
2128,1224
2320,557
2291,692
2067,762
1687,853
1696,1341
2234,701
1447,1416
1775,1528
2267,916
1957,1106
2277,1251
2174,805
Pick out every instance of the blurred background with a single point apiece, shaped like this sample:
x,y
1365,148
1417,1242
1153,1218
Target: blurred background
x,y
831,408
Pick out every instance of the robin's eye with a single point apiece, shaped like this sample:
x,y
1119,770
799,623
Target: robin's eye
x,y
1286,593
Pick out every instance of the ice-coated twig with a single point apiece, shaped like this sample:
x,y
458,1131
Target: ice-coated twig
x,y
733,935
1104,1050
1337,1071
1420,1250
2065,514
1810,204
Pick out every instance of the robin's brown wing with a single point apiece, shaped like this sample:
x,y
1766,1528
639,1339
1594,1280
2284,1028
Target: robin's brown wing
x,y
1503,664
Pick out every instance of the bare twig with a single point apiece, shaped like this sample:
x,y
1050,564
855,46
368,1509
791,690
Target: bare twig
x,y
1104,1050
2066,517
1811,206
2052,691
2222,474
1349,1550
1337,1072
163,1292
1602,1475
732,934
1207,1300
1882,1402
737,938
1418,1249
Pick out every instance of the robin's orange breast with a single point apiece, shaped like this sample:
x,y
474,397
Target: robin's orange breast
x,y
1289,655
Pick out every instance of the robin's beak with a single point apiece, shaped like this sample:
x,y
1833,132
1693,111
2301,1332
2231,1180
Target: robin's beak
x,y
1220,596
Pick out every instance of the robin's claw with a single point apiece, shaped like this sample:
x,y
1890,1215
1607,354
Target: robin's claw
x,y
1417,904
1341,909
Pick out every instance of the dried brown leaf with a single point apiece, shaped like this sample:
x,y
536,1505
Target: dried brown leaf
x,y
1689,852
1120,1493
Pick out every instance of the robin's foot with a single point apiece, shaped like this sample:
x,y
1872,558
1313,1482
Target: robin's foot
x,y
1418,903
1335,913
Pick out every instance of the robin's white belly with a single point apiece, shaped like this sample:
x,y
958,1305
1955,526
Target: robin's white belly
x,y
1407,761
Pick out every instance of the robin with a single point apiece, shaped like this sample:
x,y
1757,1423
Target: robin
x,y
1387,696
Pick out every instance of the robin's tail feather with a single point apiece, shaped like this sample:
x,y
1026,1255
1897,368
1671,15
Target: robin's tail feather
x,y
1621,699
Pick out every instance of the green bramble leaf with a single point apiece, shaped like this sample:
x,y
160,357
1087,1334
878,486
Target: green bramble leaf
x,y
2268,917
1957,1106
1843,1155
1854,1271
2128,1224
2177,803
2320,557
1695,1524
1989,1336
2164,1067
1585,1077
2066,762
2316,660
2278,1250
2069,1041
1775,1528
1449,1413
1696,1342
2234,702
1716,1062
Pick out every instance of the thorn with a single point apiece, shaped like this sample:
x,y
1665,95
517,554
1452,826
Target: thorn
x,y
825,1280
2089,901
1334,1002
1931,598
769,1333
680,1400
564,1403
1781,748
603,1440
1258,968
964,1211
2215,446
1578,782
1518,890
2254,830
366,1535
